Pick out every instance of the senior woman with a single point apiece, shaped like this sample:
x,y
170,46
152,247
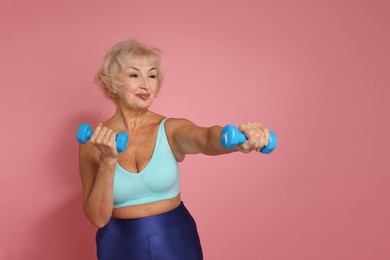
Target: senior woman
x,y
134,197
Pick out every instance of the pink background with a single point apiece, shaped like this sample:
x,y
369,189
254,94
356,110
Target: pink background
x,y
316,72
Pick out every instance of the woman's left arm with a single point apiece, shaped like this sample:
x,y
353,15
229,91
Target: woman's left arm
x,y
188,138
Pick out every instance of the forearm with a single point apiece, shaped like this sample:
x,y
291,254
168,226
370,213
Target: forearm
x,y
188,138
98,205
212,144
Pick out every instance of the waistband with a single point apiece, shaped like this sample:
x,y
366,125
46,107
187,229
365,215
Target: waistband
x,y
148,225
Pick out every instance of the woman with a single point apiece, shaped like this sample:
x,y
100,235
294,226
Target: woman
x,y
134,197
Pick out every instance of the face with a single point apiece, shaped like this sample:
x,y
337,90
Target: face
x,y
140,85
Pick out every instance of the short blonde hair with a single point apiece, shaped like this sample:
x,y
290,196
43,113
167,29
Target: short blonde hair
x,y
108,77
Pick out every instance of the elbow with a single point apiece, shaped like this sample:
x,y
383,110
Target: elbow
x,y
98,219
99,223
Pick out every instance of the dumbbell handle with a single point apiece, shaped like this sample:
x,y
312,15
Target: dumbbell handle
x,y
231,136
85,131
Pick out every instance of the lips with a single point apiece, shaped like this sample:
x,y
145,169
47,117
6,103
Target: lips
x,y
144,96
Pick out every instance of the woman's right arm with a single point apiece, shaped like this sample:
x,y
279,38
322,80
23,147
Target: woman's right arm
x,y
97,175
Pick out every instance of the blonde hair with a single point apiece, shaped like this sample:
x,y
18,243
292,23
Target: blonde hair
x,y
108,77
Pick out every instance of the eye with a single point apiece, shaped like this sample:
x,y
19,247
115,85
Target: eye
x,y
133,75
152,76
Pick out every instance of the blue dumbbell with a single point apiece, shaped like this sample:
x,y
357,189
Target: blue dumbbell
x,y
231,136
85,132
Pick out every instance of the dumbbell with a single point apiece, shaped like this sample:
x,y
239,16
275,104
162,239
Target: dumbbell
x,y
231,136
85,132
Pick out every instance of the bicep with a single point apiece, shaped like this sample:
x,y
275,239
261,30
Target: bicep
x,y
187,137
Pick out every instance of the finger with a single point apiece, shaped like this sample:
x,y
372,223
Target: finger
x,y
267,136
99,137
108,145
107,136
102,133
112,138
253,136
259,136
262,137
112,142
243,127
249,128
246,147
95,132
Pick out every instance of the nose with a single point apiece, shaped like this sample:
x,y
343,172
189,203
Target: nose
x,y
144,83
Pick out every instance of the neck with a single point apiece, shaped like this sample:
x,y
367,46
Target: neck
x,y
131,119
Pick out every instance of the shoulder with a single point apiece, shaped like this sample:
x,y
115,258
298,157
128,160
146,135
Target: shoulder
x,y
174,127
177,123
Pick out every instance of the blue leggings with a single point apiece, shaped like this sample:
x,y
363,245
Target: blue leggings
x,y
168,236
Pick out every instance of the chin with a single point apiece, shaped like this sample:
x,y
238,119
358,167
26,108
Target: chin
x,y
145,105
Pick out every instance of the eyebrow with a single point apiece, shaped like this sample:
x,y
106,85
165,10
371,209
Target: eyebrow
x,y
134,68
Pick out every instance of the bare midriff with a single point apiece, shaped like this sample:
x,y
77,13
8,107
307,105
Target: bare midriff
x,y
146,210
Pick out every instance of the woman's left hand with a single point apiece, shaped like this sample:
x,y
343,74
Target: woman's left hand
x,y
257,135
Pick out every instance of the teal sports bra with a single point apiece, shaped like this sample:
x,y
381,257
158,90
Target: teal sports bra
x,y
159,180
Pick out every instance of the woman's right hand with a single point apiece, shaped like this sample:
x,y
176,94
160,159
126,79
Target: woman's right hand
x,y
104,140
